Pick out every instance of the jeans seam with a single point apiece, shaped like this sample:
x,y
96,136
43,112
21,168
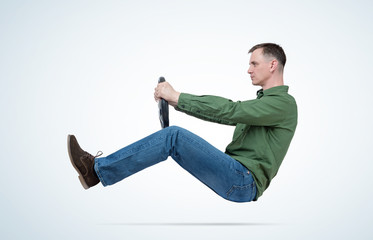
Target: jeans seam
x,y
254,191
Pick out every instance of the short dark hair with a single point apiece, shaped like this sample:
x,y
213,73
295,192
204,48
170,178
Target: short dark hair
x,y
272,50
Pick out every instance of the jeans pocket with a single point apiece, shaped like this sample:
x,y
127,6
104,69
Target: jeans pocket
x,y
244,193
245,190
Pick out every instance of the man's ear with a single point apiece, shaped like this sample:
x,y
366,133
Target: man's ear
x,y
274,65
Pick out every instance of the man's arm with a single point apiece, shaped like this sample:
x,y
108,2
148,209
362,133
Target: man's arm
x,y
267,111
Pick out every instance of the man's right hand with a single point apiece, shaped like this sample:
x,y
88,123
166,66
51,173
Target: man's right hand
x,y
166,91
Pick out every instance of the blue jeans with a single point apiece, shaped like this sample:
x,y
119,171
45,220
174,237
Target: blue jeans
x,y
220,172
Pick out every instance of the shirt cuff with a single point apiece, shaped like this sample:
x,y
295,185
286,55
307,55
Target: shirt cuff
x,y
183,103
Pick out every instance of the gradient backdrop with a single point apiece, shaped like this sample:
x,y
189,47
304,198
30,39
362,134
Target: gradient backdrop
x,y
89,68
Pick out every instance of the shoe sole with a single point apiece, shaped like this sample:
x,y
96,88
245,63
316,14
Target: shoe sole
x,y
81,179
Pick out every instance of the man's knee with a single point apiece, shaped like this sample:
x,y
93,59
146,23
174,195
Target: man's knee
x,y
174,129
177,131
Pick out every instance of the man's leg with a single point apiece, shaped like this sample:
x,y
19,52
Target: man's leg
x,y
217,170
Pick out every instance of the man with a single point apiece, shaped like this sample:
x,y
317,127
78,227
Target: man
x,y
264,129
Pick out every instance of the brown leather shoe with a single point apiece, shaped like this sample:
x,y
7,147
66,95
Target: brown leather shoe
x,y
83,163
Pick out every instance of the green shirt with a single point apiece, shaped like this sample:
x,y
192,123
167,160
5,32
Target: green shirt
x,y
264,128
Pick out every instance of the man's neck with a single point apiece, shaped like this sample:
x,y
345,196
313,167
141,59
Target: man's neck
x,y
273,82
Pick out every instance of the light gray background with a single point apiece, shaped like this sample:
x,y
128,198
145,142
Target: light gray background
x,y
90,67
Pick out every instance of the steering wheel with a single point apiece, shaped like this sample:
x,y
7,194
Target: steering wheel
x,y
163,109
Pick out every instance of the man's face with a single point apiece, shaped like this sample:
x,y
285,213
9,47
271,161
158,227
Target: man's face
x,y
259,69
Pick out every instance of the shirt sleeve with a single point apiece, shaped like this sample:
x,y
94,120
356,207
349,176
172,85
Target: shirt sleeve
x,y
266,111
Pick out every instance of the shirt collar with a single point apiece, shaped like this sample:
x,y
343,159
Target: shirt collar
x,y
273,90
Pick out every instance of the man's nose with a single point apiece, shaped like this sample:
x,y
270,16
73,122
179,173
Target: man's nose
x,y
249,71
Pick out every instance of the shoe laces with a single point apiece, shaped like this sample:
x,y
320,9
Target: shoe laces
x,y
99,153
89,156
